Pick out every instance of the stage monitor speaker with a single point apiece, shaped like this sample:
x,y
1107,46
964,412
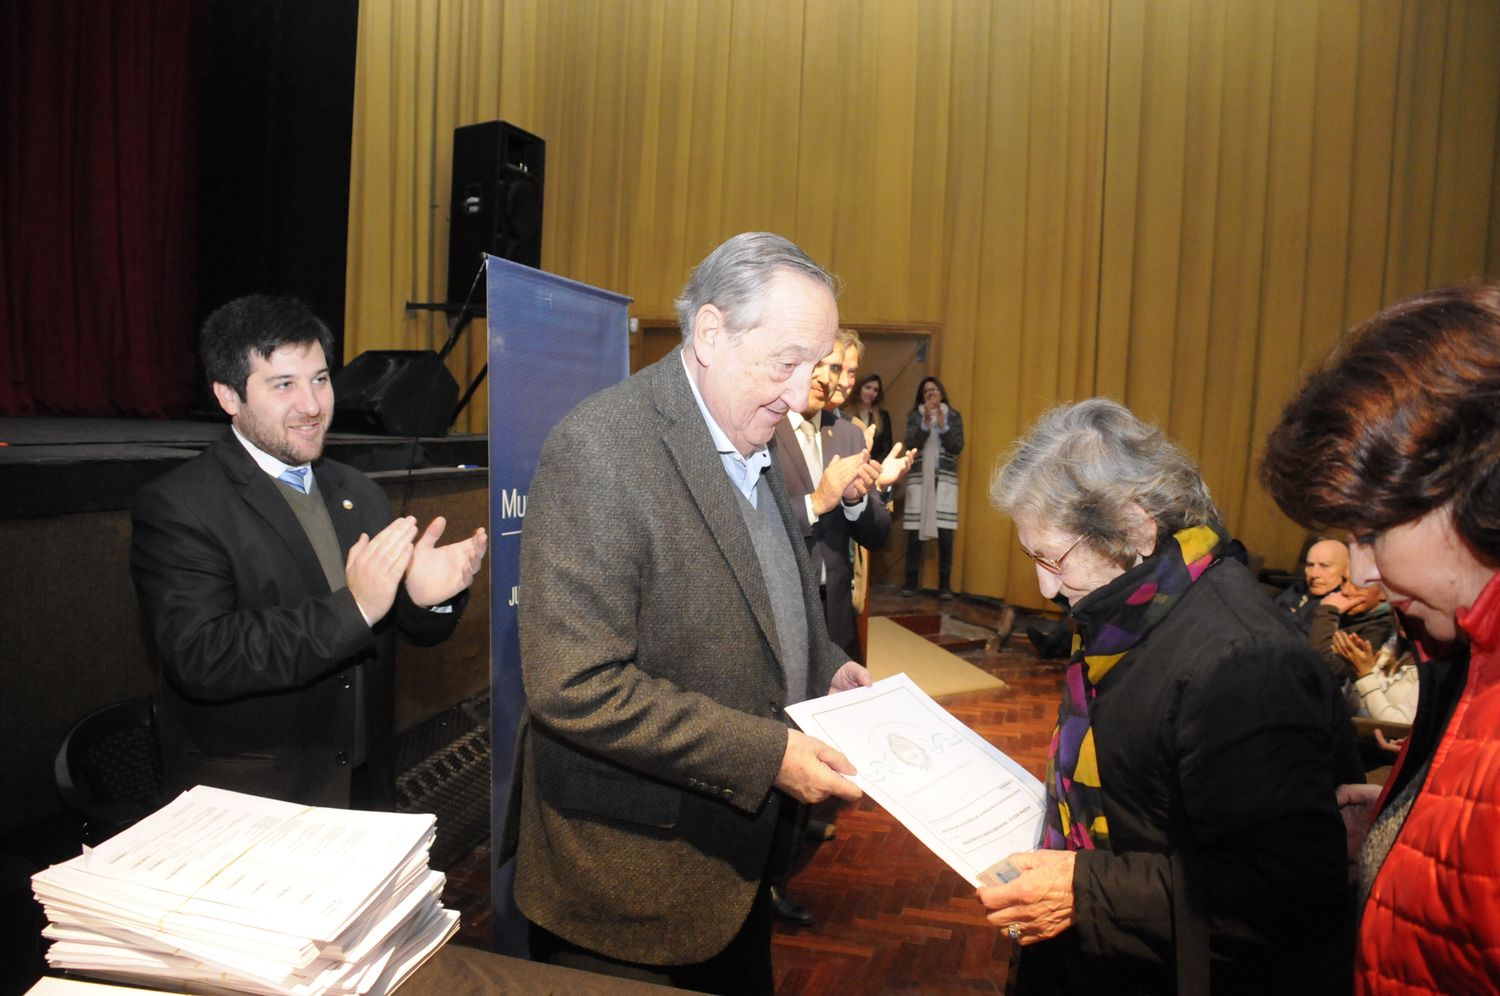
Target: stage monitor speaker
x,y
496,206
394,392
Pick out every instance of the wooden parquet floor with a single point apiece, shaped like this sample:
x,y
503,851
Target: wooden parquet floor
x,y
891,916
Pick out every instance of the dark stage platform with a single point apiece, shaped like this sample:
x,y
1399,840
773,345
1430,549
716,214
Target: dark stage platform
x,y
72,640
55,466
71,636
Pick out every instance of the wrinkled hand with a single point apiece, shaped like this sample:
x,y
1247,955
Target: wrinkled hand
x,y
812,771
894,467
374,567
864,478
1339,600
1363,599
846,478
1350,599
1356,650
1040,901
437,573
1357,807
849,675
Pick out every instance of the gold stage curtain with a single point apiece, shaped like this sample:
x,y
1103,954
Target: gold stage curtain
x,y
1178,203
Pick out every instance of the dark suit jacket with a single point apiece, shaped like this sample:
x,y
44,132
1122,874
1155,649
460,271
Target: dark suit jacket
x,y
828,538
642,813
258,653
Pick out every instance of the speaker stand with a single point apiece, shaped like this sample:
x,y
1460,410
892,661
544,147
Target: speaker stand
x,y
459,317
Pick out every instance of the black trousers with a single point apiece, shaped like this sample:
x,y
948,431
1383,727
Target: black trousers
x,y
852,648
914,558
791,826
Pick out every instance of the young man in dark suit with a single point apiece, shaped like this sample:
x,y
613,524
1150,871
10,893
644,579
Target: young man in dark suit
x,y
273,581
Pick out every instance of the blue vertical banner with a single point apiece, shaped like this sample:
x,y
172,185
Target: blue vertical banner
x,y
553,342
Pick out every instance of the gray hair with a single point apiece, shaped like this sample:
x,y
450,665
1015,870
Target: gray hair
x,y
844,338
733,276
1081,468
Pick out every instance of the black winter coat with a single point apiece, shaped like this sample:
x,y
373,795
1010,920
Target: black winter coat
x,y
1220,739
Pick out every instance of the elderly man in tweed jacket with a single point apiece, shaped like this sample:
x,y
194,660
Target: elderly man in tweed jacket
x,y
668,615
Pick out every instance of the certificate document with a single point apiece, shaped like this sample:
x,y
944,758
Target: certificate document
x,y
963,798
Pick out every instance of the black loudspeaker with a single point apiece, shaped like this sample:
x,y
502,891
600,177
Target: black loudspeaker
x,y
496,206
394,392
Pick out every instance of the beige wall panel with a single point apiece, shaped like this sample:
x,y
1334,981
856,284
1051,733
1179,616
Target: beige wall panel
x,y
1471,95
1236,340
1179,203
893,164
1194,337
1377,59
1125,92
927,276
1414,164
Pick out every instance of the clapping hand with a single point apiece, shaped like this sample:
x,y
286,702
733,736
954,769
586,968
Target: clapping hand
x,y
374,567
894,467
437,573
847,478
1356,650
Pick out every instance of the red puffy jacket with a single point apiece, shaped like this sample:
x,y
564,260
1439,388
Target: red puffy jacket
x,y
1432,922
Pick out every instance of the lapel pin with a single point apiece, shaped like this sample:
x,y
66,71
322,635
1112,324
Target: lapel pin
x,y
348,505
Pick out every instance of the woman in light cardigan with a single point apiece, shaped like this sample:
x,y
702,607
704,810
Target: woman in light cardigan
x,y
1385,680
935,433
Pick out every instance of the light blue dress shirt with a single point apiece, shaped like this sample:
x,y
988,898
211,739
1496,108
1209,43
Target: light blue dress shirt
x,y
743,471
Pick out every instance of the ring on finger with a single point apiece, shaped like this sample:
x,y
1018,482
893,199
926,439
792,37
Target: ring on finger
x,y
1014,931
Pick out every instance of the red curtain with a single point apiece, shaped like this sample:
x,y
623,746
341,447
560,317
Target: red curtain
x,y
98,219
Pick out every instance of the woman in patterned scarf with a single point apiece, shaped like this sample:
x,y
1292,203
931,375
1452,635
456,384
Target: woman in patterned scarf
x,y
1192,839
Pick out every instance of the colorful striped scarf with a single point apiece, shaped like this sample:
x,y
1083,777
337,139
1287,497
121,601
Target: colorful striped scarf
x,y
1120,616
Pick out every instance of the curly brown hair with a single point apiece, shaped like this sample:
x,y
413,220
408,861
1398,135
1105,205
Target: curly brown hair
x,y
1402,419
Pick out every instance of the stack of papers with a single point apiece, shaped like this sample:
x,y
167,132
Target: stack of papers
x,y
224,892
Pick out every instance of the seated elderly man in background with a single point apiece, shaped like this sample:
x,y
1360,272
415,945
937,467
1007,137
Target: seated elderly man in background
x,y
1191,831
1325,566
1332,604
1351,610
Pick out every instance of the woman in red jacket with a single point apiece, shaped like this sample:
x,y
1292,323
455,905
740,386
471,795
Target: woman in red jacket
x,y
1397,439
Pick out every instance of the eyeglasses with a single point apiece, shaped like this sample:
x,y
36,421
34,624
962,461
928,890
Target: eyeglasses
x,y
1048,564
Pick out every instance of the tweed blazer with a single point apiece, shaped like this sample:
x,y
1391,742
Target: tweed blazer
x,y
642,808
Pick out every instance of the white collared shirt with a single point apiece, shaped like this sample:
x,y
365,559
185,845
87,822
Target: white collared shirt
x,y
267,462
743,471
812,455
275,468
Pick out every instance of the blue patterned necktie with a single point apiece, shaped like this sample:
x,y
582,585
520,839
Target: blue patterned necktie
x,y
296,477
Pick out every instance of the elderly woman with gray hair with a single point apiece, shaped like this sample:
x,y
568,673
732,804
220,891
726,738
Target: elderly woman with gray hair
x,y
1192,841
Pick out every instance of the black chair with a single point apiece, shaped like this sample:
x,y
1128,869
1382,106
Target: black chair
x,y
108,768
